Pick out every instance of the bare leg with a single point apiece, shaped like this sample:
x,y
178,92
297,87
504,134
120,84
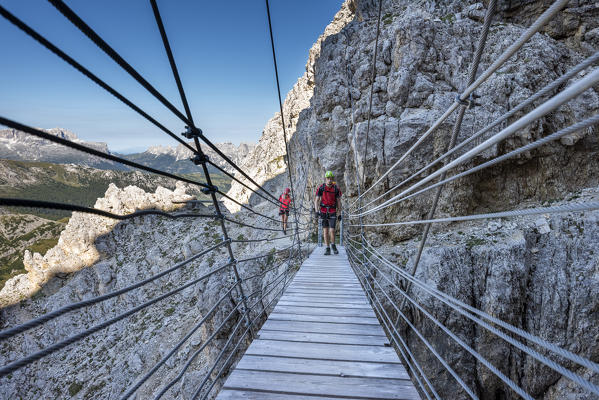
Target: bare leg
x,y
325,234
285,216
331,235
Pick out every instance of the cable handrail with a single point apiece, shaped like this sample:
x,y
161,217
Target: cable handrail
x,y
419,334
94,152
511,50
539,94
445,298
7,333
465,346
69,60
13,366
533,353
18,202
551,104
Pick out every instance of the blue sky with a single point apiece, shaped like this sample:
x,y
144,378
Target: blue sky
x,y
222,50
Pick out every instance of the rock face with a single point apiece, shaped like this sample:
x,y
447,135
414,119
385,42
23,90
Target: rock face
x,y
265,163
538,273
96,256
424,54
76,249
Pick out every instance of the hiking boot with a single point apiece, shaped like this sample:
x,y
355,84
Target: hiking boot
x,y
327,252
334,248
284,231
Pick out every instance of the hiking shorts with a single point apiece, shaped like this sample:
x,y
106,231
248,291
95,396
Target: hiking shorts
x,y
329,220
286,212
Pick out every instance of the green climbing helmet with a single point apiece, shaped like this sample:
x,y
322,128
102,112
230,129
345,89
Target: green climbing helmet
x,y
328,174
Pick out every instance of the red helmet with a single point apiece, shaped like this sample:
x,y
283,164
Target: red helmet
x,y
287,190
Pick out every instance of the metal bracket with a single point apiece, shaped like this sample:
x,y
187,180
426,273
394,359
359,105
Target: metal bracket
x,y
468,103
192,132
199,159
208,190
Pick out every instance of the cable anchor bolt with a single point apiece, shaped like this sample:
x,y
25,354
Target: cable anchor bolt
x,y
210,189
199,159
192,132
469,103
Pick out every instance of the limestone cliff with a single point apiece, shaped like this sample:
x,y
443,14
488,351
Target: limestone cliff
x,y
425,50
95,256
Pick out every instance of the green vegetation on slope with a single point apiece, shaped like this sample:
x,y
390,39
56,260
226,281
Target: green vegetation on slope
x,y
78,185
24,232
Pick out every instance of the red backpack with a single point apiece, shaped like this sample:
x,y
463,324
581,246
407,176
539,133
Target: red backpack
x,y
328,195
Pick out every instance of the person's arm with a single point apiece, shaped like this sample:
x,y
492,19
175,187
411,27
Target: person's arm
x,y
316,203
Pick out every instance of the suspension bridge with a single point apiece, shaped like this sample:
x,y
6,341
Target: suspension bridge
x,y
333,327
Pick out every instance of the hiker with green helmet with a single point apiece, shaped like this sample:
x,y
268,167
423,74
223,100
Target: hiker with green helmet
x,y
327,203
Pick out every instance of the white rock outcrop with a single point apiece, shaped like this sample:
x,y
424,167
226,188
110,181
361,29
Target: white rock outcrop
x,y
76,247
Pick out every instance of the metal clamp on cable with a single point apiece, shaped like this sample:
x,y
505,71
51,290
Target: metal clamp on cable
x,y
468,103
219,215
192,132
232,261
199,159
209,190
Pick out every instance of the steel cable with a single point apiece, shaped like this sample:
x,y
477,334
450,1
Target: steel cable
x,y
287,156
226,362
556,101
403,348
587,123
94,37
534,28
573,207
246,207
418,333
7,333
15,202
105,47
89,150
455,304
539,94
204,344
232,352
267,239
13,366
468,348
539,357
164,359
224,171
372,81
44,42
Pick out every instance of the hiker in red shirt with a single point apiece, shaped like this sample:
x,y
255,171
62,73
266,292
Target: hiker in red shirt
x,y
285,201
327,203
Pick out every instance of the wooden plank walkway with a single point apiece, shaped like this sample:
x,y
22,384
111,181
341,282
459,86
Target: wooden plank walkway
x,y
321,342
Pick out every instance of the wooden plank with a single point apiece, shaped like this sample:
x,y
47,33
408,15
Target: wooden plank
x,y
321,342
231,394
324,367
322,351
331,319
324,304
324,311
323,327
325,299
323,337
337,293
338,286
320,385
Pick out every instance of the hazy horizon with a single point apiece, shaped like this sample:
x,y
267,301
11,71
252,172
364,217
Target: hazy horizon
x,y
222,52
